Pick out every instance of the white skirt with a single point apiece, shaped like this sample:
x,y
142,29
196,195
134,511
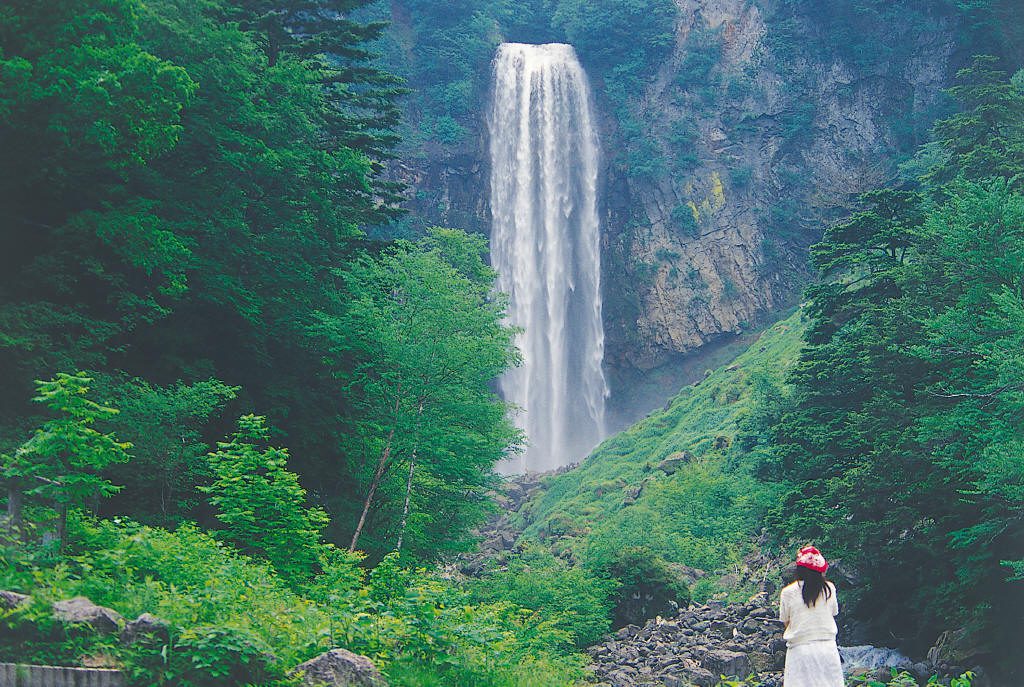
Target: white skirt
x,y
814,664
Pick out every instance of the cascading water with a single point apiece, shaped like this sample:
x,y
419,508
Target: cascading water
x,y
545,246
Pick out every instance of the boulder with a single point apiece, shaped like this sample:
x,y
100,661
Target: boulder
x,y
632,493
722,628
673,462
921,671
955,648
627,632
725,662
82,610
11,600
145,626
699,677
761,662
340,668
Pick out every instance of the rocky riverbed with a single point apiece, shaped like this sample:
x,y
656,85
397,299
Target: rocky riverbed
x,y
702,643
696,647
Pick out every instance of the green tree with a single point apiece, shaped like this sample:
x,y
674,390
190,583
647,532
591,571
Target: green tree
x,y
83,107
986,138
64,460
417,342
976,399
900,431
202,253
361,111
262,504
610,33
166,426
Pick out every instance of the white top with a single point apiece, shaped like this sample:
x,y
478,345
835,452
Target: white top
x,y
805,624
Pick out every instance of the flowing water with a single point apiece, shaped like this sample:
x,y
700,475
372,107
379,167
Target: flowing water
x,y
545,246
866,656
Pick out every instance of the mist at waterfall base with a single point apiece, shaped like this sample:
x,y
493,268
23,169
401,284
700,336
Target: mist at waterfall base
x,y
545,245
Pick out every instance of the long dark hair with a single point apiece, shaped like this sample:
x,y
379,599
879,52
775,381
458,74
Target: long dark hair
x,y
814,585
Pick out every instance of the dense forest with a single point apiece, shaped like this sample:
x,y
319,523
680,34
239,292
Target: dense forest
x,y
251,394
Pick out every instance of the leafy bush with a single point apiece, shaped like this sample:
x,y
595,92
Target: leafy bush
x,y
682,216
578,599
606,31
646,585
215,656
703,52
233,620
262,504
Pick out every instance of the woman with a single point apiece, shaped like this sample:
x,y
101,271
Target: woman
x,y
808,608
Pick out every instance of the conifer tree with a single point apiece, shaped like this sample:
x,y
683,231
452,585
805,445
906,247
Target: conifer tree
x,y
64,460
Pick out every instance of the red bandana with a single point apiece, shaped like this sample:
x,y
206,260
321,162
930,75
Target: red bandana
x,y
810,557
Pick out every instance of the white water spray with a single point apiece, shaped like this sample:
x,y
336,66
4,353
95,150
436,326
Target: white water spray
x,y
545,245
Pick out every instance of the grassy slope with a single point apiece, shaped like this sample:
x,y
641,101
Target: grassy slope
x,y
705,514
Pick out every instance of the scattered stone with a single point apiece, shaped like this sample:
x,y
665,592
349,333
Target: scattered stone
x,y
340,668
761,662
724,662
674,462
82,610
11,600
701,643
723,629
146,625
699,677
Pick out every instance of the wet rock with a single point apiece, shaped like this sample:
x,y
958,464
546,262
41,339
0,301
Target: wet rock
x,y
82,610
921,671
954,648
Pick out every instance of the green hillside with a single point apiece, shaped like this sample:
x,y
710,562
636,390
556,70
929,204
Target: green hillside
x,y
678,482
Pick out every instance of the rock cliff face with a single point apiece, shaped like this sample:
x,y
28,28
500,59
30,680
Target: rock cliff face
x,y
720,175
776,149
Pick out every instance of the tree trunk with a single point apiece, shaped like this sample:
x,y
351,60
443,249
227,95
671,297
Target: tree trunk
x,y
62,525
408,482
385,455
405,509
14,501
378,474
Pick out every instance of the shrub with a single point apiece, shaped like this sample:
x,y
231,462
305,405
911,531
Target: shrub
x,y
232,620
646,586
262,504
578,599
682,216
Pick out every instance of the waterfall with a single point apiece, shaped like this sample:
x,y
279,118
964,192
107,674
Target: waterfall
x,y
545,246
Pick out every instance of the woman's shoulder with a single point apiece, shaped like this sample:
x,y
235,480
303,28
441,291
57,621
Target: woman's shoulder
x,y
791,588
